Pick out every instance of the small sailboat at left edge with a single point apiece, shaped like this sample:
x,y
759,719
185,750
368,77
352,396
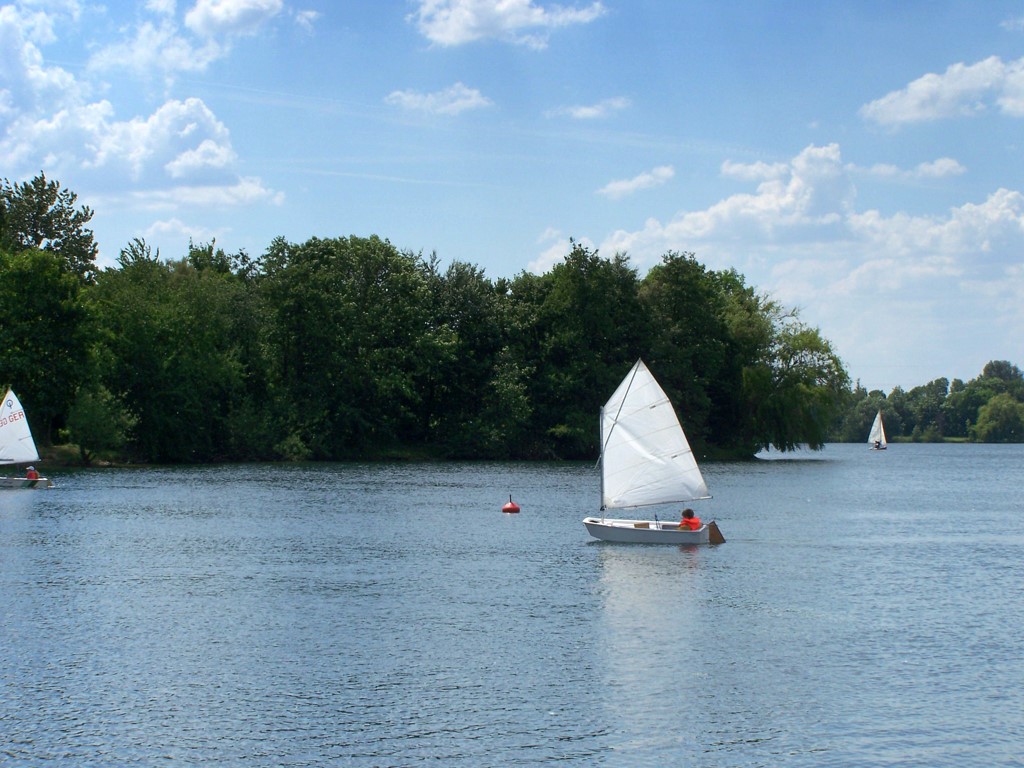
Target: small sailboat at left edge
x,y
17,445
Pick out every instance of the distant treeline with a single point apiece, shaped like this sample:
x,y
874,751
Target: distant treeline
x,y
350,348
988,409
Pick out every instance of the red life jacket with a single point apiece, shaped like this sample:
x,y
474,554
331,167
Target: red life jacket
x,y
693,523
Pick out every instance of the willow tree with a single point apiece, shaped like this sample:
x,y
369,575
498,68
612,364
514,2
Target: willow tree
x,y
795,389
1000,420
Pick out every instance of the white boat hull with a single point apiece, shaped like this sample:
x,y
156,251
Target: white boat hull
x,y
650,532
24,482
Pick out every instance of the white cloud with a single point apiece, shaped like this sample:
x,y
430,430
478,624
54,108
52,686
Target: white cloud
x,y
175,228
211,18
306,19
208,155
1013,25
962,90
936,169
884,284
596,111
246,191
808,201
455,22
27,84
758,171
811,205
49,123
451,101
157,48
161,7
179,138
556,247
211,27
653,178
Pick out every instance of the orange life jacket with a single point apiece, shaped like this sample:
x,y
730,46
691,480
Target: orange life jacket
x,y
693,523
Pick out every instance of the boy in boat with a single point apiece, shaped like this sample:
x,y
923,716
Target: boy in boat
x,y
31,474
689,521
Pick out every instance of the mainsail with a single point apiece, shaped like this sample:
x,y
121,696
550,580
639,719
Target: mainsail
x,y
877,434
16,444
645,457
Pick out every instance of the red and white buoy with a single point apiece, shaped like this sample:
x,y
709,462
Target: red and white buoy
x,y
511,507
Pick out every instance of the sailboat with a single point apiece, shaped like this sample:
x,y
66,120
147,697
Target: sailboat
x,y
646,460
16,444
876,437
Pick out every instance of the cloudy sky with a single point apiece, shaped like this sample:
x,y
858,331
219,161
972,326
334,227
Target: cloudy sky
x,y
862,161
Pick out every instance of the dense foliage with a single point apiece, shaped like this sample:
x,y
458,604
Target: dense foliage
x,y
988,409
348,347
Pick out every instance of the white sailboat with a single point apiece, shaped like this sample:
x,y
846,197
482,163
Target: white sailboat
x,y
17,445
876,437
646,460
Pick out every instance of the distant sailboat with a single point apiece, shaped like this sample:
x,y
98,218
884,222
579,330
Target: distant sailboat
x,y
17,445
646,459
876,437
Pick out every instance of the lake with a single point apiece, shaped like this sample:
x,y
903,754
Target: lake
x,y
864,611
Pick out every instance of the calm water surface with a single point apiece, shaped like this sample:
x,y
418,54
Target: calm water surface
x,y
865,611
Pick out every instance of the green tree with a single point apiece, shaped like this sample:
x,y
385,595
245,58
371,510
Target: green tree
x,y
179,360
584,327
98,422
691,345
1000,420
353,343
926,403
859,413
473,397
40,214
47,333
795,390
1010,375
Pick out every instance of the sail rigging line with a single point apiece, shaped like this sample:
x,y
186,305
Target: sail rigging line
x,y
622,402
615,421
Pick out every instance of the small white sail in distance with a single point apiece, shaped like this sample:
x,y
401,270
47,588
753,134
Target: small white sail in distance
x,y
877,434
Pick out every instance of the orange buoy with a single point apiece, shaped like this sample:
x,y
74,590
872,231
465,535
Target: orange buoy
x,y
511,506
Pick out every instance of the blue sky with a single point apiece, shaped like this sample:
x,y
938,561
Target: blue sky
x,y
861,161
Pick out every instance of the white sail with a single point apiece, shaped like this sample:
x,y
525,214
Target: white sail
x,y
877,434
645,458
16,444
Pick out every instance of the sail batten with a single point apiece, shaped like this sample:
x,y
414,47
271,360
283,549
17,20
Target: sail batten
x,y
645,458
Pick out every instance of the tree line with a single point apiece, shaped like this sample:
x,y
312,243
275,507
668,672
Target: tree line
x,y
989,409
348,347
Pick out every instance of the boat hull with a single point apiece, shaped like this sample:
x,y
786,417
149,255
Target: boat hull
x,y
650,532
24,482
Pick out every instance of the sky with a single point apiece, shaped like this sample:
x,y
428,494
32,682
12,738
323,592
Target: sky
x,y
862,162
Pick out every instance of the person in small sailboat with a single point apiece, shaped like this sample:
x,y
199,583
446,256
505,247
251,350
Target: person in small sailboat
x,y
689,521
31,474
